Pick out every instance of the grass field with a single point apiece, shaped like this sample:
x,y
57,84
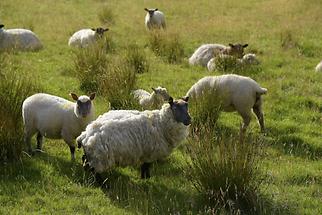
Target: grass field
x,y
285,35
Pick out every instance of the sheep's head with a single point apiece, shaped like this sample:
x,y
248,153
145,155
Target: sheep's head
x,y
100,31
150,11
83,107
1,26
236,50
162,92
180,110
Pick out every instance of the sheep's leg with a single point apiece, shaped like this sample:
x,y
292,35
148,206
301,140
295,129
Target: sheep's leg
x,y
260,116
39,140
70,142
246,120
27,140
145,170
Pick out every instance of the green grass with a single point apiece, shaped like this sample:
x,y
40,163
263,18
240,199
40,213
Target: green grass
x,y
286,37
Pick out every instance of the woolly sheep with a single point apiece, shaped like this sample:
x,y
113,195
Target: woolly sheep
x,y
154,100
18,39
318,68
154,19
54,117
234,93
207,51
248,59
130,137
85,37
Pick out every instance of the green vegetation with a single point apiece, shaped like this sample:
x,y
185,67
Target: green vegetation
x,y
286,37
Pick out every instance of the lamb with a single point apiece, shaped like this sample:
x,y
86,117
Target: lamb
x,y
154,19
54,117
85,37
151,101
233,93
207,51
318,68
130,137
18,39
248,59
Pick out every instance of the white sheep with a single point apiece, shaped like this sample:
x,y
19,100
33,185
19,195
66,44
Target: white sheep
x,y
248,59
18,39
318,67
55,118
85,37
130,137
233,93
154,19
205,52
152,100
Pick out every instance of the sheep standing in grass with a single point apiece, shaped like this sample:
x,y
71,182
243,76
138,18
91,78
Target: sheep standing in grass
x,y
152,100
207,51
234,93
248,59
154,19
130,137
54,117
318,68
85,37
18,39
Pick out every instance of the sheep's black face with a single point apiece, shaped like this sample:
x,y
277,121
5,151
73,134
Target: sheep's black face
x,y
150,11
100,31
84,108
180,110
237,50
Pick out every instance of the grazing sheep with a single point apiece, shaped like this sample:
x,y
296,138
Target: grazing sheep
x,y
207,51
130,137
154,19
18,39
54,117
234,93
318,68
248,59
151,101
85,37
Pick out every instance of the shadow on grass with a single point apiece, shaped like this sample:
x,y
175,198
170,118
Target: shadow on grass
x,y
292,144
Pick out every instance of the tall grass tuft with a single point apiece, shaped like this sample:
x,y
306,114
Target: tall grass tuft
x,y
106,16
137,59
166,45
225,171
117,83
90,64
14,89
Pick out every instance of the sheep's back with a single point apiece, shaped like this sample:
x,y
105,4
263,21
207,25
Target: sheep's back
x,y
204,53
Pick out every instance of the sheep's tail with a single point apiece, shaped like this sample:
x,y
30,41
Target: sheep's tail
x,y
261,91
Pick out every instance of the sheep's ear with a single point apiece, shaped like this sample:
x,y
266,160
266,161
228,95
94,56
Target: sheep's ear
x,y
93,29
146,9
1,25
231,45
153,89
186,98
170,101
106,29
156,9
244,46
92,96
74,96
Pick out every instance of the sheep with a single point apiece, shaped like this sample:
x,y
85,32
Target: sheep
x,y
18,39
130,137
154,19
207,51
85,37
318,68
233,93
151,101
55,118
248,59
